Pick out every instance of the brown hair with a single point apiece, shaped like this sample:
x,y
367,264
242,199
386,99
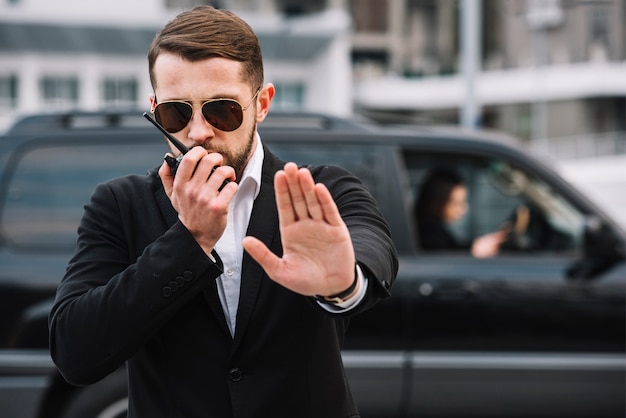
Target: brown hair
x,y
205,32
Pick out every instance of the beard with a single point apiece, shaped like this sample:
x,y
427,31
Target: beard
x,y
236,158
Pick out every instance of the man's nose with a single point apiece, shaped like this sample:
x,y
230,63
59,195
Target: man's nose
x,y
199,129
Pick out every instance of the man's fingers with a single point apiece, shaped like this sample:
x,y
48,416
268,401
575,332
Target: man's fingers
x,y
327,205
296,194
313,205
286,213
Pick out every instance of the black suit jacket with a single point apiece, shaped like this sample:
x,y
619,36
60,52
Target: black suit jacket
x,y
140,291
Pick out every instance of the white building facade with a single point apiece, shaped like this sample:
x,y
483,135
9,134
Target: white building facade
x,y
71,54
547,71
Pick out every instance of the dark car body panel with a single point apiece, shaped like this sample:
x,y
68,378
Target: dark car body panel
x,y
512,335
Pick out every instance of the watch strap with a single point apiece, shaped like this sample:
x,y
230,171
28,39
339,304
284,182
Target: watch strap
x,y
341,296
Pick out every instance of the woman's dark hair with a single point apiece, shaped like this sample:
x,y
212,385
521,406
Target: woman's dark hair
x,y
435,192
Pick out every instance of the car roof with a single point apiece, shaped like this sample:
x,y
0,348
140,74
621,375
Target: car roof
x,y
116,127
279,126
276,121
133,118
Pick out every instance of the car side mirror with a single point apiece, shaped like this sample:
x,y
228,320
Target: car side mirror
x,y
604,247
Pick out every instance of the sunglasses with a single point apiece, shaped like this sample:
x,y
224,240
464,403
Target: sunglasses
x,y
223,114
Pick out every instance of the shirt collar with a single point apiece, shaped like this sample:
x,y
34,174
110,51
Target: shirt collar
x,y
252,172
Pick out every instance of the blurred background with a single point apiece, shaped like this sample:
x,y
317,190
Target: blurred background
x,y
549,72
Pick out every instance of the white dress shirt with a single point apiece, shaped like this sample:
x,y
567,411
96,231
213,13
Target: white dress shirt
x,y
230,245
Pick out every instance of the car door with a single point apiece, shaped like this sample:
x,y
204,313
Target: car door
x,y
512,335
44,184
375,351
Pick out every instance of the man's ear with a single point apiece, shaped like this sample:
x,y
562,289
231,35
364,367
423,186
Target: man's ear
x,y
264,100
152,102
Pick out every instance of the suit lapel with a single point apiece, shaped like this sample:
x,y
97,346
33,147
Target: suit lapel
x,y
264,226
171,217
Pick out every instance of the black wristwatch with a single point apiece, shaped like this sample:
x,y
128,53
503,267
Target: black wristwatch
x,y
341,296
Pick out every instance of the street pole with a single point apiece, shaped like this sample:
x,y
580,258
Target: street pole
x,y
470,54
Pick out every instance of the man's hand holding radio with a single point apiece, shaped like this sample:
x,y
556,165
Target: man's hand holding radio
x,y
198,196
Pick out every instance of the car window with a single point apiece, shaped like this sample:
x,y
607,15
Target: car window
x,y
499,196
49,186
365,162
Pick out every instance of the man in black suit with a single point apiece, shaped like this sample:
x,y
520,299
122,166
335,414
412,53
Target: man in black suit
x,y
222,300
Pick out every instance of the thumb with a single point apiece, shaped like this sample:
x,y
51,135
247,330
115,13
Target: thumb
x,y
261,254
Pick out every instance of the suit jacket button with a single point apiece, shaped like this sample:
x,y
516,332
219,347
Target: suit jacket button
x,y
235,374
187,276
166,291
173,285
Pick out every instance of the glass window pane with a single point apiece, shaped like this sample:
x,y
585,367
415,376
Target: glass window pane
x,y
358,159
289,96
120,92
50,185
498,196
369,15
59,90
8,91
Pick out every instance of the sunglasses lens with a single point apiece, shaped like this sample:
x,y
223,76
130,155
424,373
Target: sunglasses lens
x,y
225,115
173,116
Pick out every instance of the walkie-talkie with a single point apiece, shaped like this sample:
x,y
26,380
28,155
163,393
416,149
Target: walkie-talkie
x,y
171,161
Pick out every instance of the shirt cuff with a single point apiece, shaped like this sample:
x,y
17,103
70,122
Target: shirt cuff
x,y
347,305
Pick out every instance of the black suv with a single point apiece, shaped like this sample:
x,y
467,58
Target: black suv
x,y
538,330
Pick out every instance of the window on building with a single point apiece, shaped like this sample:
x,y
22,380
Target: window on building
x,y
187,4
367,63
289,97
59,91
369,15
600,32
120,91
8,91
299,7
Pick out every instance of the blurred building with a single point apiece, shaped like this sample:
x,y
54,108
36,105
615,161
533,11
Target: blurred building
x,y
548,71
71,54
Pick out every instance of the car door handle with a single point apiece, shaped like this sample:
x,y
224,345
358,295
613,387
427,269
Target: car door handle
x,y
448,289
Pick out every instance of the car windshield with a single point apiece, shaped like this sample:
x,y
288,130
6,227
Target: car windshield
x,y
536,195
